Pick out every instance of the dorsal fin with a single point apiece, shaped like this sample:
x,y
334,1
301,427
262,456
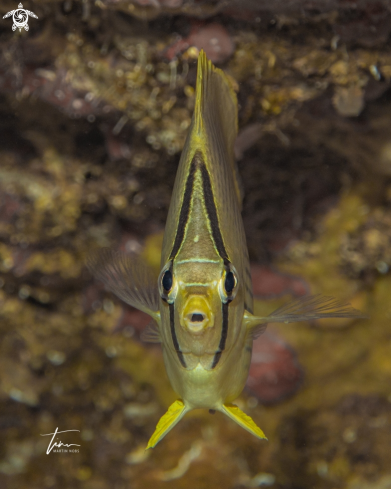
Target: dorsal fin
x,y
215,96
215,112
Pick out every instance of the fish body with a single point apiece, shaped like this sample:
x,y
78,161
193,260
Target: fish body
x,y
207,360
202,303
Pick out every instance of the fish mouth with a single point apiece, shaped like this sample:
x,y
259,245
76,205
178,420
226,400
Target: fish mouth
x,y
196,322
197,316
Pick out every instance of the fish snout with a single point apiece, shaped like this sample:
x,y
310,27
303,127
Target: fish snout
x,y
197,315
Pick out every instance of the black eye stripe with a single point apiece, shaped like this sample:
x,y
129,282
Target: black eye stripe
x,y
212,213
174,337
223,338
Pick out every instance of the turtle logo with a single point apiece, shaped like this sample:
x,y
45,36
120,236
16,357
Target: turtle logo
x,y
20,17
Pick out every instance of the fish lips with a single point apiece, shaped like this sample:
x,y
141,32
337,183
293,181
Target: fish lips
x,y
197,315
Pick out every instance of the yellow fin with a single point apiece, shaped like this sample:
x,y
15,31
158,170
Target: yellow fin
x,y
211,83
243,420
167,422
215,116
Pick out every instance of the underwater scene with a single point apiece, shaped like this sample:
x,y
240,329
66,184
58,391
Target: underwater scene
x,y
195,244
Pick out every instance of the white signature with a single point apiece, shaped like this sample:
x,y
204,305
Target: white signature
x,y
54,444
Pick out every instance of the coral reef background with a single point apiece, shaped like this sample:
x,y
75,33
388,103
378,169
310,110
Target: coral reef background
x,y
95,103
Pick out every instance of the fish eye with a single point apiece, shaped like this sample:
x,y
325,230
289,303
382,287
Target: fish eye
x,y
167,284
167,280
228,286
229,282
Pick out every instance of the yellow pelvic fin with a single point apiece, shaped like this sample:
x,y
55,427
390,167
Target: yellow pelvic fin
x,y
243,420
174,414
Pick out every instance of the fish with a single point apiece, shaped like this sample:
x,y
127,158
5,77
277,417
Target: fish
x,y
201,304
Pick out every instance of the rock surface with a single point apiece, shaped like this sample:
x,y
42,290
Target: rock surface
x,y
95,102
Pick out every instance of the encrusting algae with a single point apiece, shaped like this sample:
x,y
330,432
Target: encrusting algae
x,y
95,106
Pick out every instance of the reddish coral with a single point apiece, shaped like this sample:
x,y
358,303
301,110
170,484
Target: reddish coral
x,y
52,86
132,320
116,147
213,38
269,283
275,372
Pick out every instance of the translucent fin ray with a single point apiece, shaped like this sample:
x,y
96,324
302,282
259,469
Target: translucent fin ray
x,y
151,333
257,330
308,308
174,414
128,277
243,420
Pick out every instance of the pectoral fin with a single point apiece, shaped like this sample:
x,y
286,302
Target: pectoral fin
x,y
129,278
243,420
303,309
174,414
151,333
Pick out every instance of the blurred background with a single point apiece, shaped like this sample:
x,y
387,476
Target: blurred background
x,y
95,101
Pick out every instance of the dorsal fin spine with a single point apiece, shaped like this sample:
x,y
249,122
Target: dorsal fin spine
x,y
203,68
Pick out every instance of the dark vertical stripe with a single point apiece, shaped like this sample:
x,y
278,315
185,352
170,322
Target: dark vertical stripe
x,y
224,331
218,240
224,334
210,208
173,335
184,213
219,243
216,359
212,214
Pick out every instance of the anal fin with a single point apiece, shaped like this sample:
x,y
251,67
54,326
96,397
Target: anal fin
x,y
243,420
174,414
